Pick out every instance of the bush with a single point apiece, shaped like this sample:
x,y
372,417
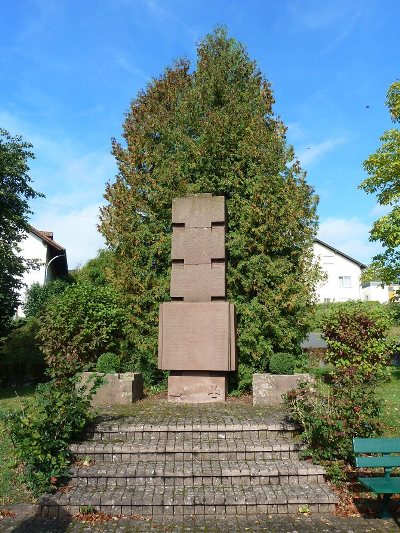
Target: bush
x,y
43,431
356,334
82,323
282,363
38,296
331,414
108,363
21,359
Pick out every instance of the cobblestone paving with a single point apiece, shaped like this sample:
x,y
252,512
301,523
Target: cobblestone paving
x,y
276,524
164,435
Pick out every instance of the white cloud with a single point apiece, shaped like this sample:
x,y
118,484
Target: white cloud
x,y
73,180
75,230
350,236
380,210
313,152
322,16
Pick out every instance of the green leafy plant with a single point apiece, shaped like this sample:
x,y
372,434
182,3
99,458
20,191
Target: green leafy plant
x,y
383,180
38,296
335,472
356,334
87,510
16,192
108,363
43,430
282,363
83,322
331,414
21,359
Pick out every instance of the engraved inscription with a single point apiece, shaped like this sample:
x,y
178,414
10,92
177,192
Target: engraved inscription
x,y
196,336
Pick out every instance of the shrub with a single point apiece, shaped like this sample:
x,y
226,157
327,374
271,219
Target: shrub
x,y
356,334
38,296
21,359
282,363
331,414
82,323
108,363
43,431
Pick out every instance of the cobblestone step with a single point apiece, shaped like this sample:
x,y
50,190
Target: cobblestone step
x,y
173,500
197,473
181,450
130,432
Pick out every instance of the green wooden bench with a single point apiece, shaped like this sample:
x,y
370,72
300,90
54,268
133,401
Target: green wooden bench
x,y
378,453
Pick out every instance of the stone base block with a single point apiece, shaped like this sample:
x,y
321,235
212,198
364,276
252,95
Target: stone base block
x,y
117,388
268,389
200,387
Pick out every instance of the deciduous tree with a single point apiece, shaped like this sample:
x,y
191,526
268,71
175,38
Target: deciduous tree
x,y
15,191
383,168
213,129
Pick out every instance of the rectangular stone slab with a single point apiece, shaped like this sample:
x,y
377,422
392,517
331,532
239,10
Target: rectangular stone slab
x,y
196,389
198,283
197,336
268,389
198,210
198,245
116,388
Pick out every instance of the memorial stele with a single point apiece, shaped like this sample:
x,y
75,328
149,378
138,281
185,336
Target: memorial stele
x,y
197,331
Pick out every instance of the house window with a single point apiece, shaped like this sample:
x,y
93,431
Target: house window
x,y
345,281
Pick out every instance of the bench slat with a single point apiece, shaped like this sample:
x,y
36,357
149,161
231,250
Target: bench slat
x,y
381,485
391,445
387,461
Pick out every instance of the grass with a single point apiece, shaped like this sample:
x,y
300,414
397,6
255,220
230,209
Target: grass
x,y
389,393
12,489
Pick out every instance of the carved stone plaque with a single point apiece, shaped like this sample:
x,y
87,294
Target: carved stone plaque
x,y
198,245
198,283
198,210
198,336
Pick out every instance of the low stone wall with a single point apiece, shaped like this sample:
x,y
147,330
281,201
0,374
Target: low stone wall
x,y
117,388
268,389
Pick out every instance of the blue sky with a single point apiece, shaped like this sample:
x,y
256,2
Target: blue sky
x,y
69,69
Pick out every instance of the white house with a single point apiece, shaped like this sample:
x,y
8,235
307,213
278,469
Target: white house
x,y
342,281
50,256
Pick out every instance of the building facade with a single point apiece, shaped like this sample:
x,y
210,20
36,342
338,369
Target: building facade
x,y
342,278
49,256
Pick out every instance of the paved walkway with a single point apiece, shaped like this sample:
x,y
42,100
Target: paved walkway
x,y
158,411
271,524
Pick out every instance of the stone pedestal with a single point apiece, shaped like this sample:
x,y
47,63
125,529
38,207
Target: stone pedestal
x,y
117,388
268,389
197,387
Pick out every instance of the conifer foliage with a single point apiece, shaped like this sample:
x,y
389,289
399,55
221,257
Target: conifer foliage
x,y
212,129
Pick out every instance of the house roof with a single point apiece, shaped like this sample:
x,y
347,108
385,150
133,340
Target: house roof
x,y
336,251
46,236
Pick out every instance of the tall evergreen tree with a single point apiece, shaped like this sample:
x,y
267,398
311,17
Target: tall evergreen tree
x,y
213,130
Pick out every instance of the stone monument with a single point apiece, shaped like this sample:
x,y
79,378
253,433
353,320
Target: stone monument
x,y
197,333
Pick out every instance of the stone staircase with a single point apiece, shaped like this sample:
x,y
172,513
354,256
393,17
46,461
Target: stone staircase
x,y
187,469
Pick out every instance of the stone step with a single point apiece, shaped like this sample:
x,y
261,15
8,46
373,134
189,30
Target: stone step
x,y
201,500
181,450
129,432
197,472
